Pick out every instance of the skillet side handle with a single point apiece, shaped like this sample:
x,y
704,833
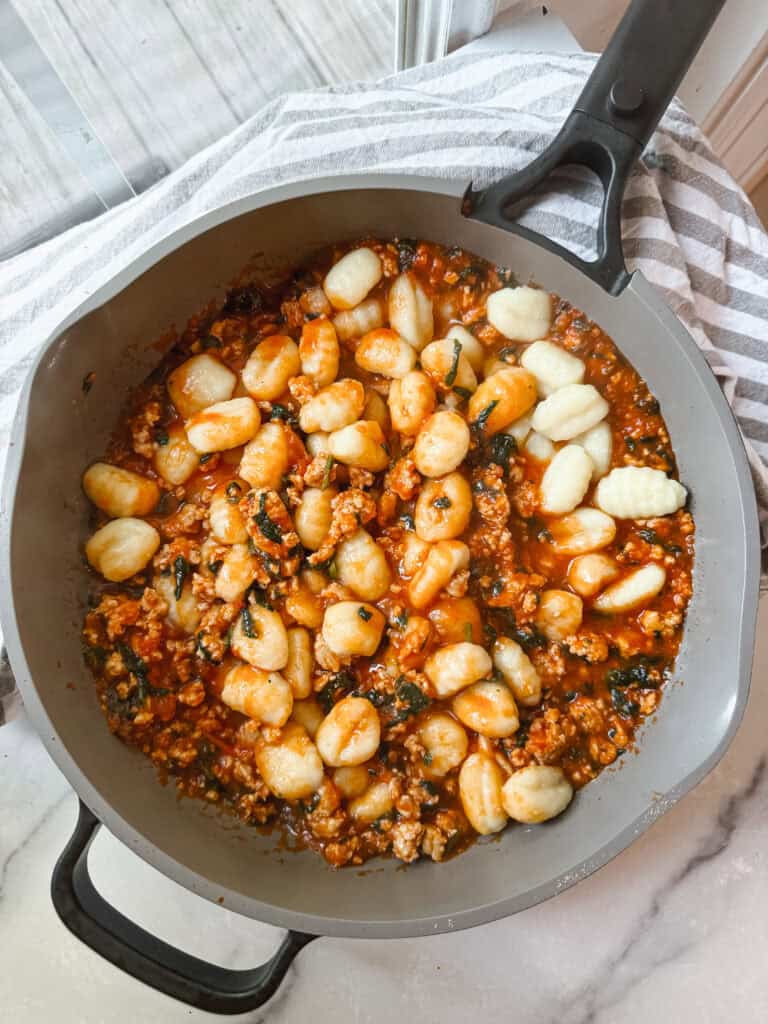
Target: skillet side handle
x,y
163,967
613,118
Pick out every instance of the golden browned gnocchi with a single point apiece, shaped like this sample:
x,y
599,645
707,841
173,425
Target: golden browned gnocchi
x,y
392,554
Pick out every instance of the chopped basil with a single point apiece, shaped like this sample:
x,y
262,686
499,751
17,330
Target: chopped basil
x,y
480,423
506,277
137,668
622,704
243,301
464,393
364,614
341,682
203,651
401,619
234,492
501,450
442,502
215,566
412,697
211,341
450,378
161,436
205,458
249,628
282,412
327,473
268,528
181,569
95,656
406,253
468,632
408,521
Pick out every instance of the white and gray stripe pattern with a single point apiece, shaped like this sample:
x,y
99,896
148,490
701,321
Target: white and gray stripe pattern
x,y
465,117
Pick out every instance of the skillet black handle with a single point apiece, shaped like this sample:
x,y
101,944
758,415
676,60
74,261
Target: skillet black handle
x,y
135,951
613,118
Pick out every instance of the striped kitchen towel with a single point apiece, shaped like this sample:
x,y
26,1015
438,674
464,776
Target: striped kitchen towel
x,y
687,225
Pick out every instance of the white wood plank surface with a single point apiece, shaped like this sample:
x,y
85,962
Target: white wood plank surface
x,y
160,79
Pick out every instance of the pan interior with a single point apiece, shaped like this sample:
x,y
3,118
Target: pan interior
x,y
67,427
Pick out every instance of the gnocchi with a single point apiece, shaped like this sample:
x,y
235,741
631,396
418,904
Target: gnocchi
x,y
566,480
199,382
522,314
559,614
634,591
354,323
536,793
122,548
383,351
349,734
443,508
586,529
410,311
263,696
639,492
501,399
570,411
362,566
224,425
539,447
351,628
411,402
175,459
552,367
333,407
588,574
373,804
489,708
444,559
260,638
445,744
236,573
290,765
183,612
480,782
224,517
319,351
308,714
265,459
598,444
447,366
270,366
300,663
120,492
471,348
361,444
518,671
313,516
348,282
456,666
441,444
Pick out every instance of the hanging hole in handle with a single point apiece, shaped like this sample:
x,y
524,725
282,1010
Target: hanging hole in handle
x,y
565,208
172,913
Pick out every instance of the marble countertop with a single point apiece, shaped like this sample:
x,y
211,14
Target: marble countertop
x,y
675,928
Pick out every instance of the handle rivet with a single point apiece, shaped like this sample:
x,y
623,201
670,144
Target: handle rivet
x,y
625,97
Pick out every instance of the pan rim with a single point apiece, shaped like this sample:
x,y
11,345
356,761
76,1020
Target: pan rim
x,y
249,906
